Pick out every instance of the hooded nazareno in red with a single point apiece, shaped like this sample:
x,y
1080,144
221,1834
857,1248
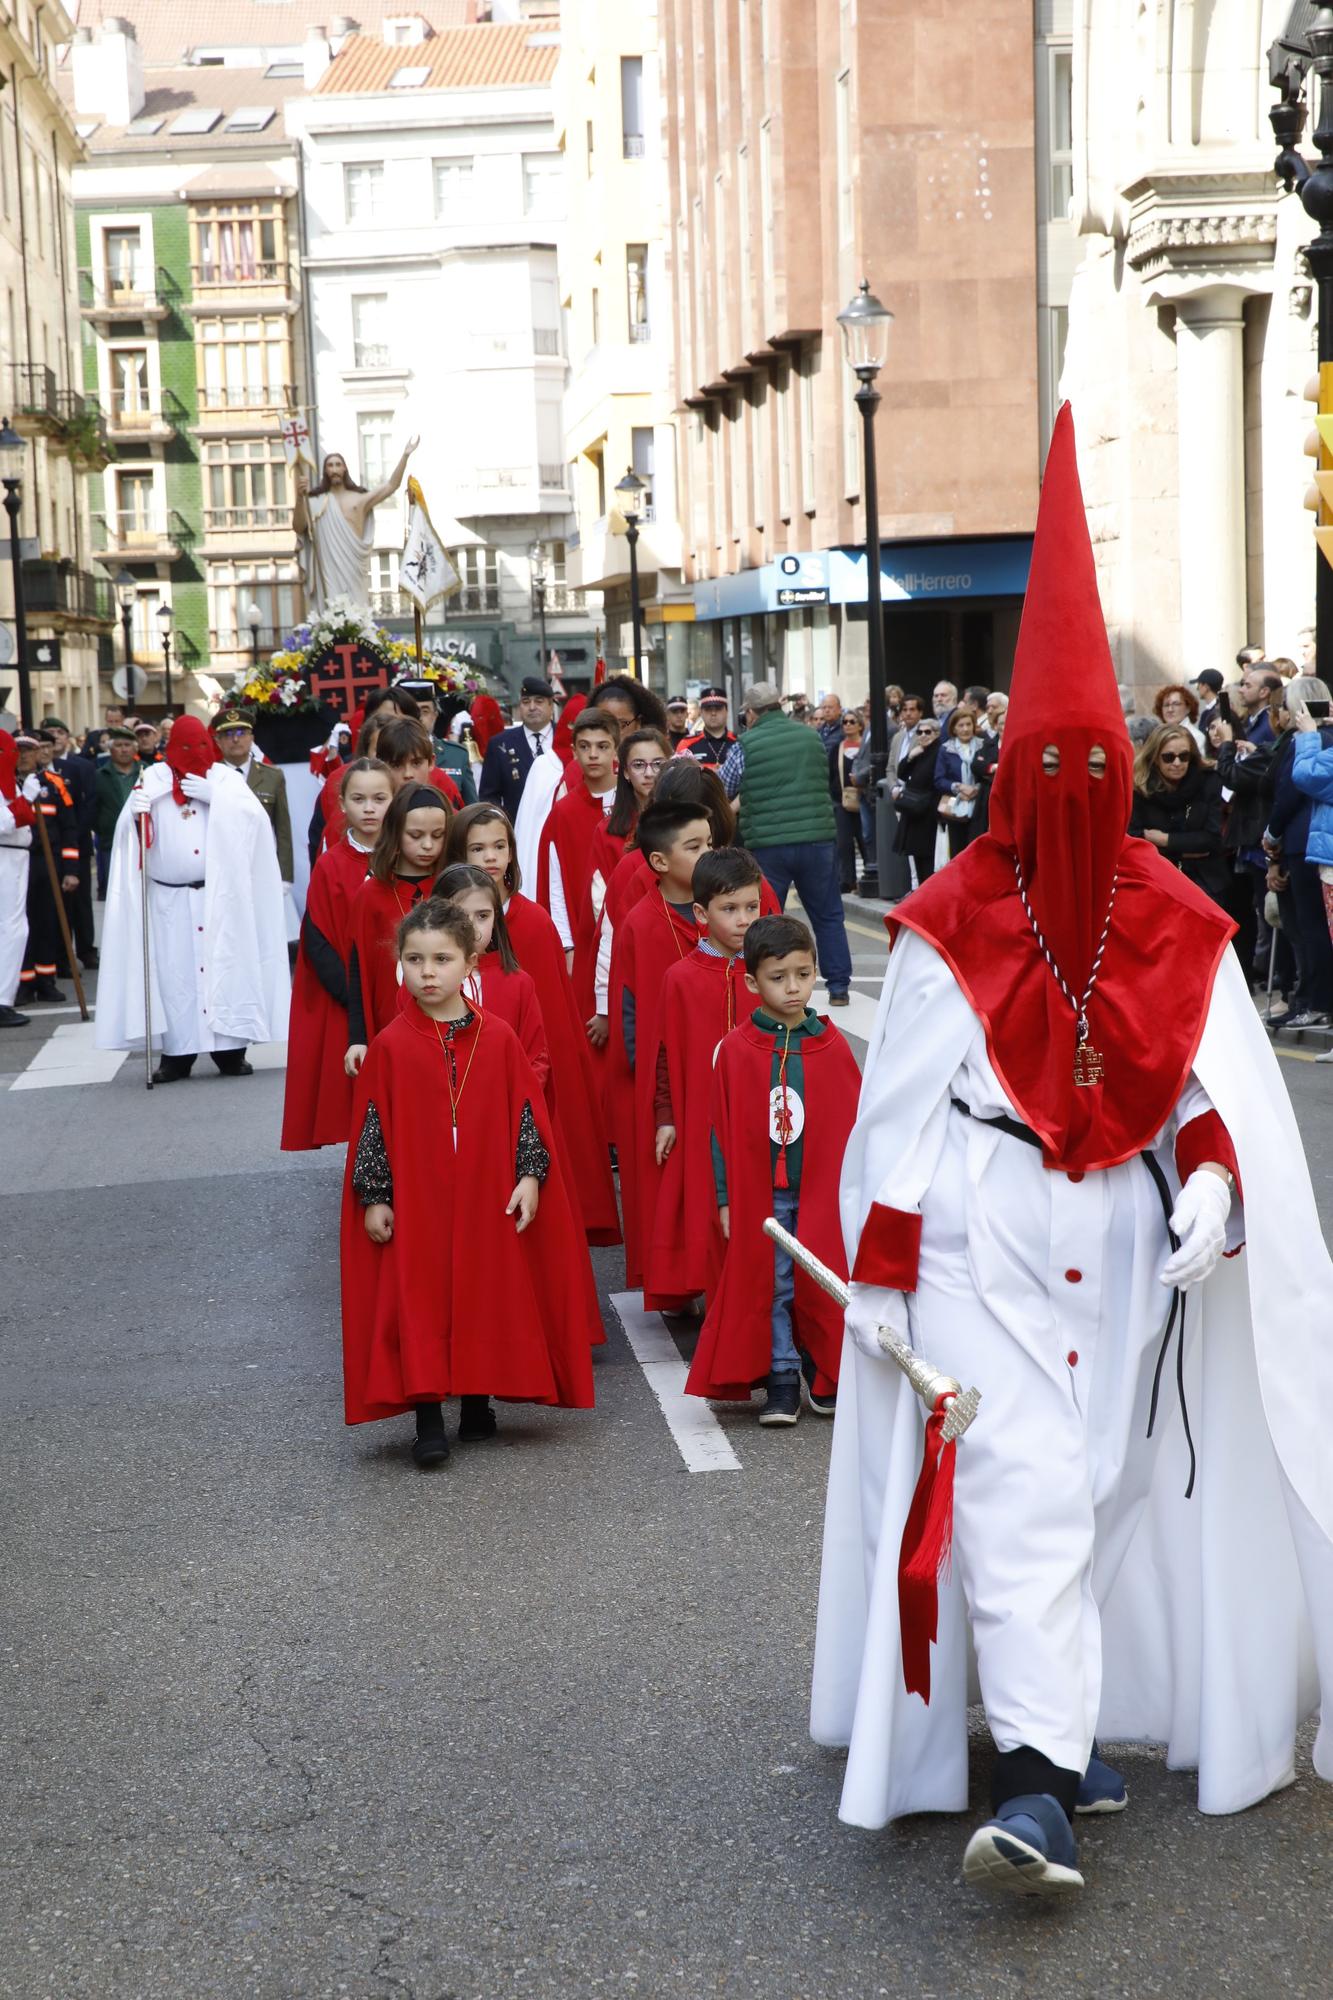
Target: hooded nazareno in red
x,y
191,752
1059,821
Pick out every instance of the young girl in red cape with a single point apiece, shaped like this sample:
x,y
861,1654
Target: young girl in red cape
x,y
457,1275
656,936
705,997
407,855
482,835
785,1092
317,1103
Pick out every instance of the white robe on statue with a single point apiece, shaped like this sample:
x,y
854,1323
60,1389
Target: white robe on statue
x,y
335,560
219,967
1196,1624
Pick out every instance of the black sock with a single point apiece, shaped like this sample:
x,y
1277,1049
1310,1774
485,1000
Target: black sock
x,y
1020,1771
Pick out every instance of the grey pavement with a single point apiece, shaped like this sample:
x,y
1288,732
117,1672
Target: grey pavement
x,y
285,1718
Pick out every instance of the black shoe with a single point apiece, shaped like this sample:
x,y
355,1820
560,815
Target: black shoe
x,y
173,1069
231,1062
476,1420
824,1402
46,989
90,960
784,1400
11,1018
1310,1017
432,1446
840,999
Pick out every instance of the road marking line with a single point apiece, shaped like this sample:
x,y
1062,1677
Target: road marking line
x,y
700,1439
857,1018
880,936
68,1057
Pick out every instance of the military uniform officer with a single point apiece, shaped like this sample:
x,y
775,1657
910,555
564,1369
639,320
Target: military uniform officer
x,y
510,755
45,957
80,779
236,740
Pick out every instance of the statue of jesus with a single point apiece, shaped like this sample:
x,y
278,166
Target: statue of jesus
x,y
334,521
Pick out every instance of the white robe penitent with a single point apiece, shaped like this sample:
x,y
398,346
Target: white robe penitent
x,y
219,968
1204,1625
15,843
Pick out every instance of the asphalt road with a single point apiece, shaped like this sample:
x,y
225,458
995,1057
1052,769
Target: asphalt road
x,y
285,1718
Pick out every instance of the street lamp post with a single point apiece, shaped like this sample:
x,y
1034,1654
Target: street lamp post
x,y
254,618
13,452
631,489
865,325
126,592
1289,58
164,627
537,557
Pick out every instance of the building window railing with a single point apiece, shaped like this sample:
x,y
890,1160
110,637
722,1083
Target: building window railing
x,y
639,331
244,520
135,410
503,476
545,340
369,354
633,145
34,389
242,272
251,397
555,478
148,528
476,597
58,586
561,597
135,290
270,638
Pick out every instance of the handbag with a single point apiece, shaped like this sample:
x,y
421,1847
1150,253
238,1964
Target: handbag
x,y
851,799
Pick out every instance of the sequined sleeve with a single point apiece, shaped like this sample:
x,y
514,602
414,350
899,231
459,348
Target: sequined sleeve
x,y
530,1155
372,1176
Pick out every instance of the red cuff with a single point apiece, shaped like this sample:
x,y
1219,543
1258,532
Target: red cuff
x,y
1206,1138
890,1249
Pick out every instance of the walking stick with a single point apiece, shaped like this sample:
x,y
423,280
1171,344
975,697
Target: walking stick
x,y
147,963
61,918
1272,960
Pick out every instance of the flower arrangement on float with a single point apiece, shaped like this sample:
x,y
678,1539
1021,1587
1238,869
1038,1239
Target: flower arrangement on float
x,y
281,682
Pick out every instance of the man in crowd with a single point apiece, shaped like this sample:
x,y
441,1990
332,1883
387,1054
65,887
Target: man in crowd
x,y
944,700
511,754
993,722
216,924
94,743
236,741
828,721
900,739
1208,686
778,772
149,740
44,958
714,739
80,776
678,722
116,779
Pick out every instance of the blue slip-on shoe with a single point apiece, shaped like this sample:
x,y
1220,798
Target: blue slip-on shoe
x,y
1101,1790
1026,1850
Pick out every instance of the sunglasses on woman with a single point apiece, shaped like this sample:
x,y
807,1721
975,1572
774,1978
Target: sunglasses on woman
x,y
1174,757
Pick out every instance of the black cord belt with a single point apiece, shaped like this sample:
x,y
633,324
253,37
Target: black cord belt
x,y
1175,1320
158,884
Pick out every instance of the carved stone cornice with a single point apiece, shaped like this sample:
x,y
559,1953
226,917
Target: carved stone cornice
x,y
1202,227
1159,241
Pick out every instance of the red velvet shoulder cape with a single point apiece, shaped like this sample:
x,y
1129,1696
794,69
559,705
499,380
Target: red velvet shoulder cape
x,y
458,1303
574,1085
736,1344
704,998
633,878
377,910
1146,1016
644,949
317,1100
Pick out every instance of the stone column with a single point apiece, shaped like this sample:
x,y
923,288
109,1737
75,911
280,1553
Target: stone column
x,y
1211,412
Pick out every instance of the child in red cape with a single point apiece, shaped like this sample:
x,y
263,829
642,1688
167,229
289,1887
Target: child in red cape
x,y
317,1103
407,855
785,1093
705,996
456,1225
482,835
563,855
654,938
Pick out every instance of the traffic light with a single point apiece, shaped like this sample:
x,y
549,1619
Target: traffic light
x,y
1319,447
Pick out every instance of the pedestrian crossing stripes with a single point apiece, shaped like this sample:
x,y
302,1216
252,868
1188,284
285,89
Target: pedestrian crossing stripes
x,y
68,1058
700,1439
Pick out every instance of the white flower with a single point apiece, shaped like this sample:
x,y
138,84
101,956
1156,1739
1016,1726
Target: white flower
x,y
289,693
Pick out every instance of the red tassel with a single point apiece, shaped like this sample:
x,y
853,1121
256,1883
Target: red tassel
x,y
924,1556
780,1170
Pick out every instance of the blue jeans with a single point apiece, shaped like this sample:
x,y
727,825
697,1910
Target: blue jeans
x,y
785,1361
813,866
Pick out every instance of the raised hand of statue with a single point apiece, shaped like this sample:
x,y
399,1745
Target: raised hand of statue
x,y
411,444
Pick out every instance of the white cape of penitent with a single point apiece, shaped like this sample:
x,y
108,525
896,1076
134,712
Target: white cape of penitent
x,y
1218,1628
248,984
539,790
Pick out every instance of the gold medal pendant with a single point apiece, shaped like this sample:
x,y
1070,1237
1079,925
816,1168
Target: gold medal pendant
x,y
1087,1064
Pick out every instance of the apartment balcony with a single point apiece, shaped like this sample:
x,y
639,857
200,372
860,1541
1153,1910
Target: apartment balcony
x,y
237,649
562,600
242,531
553,478
234,412
246,286
146,292
470,600
142,536
35,399
68,597
511,489
132,417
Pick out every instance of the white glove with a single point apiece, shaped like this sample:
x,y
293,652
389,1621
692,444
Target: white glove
x,y
1199,1219
871,1307
31,788
140,803
197,788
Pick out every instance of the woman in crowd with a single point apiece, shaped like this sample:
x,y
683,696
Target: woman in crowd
x,y
914,797
1179,706
848,794
1312,773
1178,808
958,779
1286,841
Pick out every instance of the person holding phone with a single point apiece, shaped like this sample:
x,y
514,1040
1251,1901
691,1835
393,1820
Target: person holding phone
x,y
1312,774
1286,843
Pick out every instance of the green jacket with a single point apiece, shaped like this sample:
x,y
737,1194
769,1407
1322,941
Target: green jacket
x,y
270,788
113,788
784,793
453,758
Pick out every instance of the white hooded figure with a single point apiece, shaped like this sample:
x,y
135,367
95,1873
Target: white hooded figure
x,y
1069,1111
218,966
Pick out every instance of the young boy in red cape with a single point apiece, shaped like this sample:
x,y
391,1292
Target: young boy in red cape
x,y
317,1103
458,1278
704,998
482,835
656,936
407,855
563,862
784,1101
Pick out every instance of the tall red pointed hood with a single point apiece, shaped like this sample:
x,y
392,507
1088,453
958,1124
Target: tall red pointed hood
x,y
191,752
9,758
1065,829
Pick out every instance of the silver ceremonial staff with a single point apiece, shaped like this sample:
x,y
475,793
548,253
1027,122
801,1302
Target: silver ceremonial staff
x,y
928,1381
